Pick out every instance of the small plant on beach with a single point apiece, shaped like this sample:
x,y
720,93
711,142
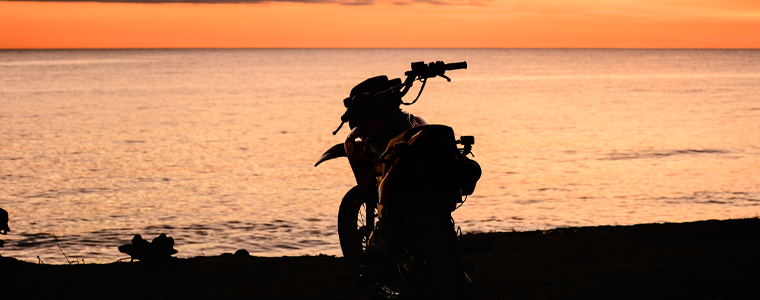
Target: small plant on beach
x,y
64,254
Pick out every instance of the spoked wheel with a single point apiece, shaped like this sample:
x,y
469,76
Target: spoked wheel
x,y
356,220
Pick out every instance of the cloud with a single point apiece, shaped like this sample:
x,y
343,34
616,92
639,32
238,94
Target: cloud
x,y
344,2
434,2
341,2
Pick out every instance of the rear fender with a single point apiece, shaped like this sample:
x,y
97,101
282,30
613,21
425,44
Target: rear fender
x,y
336,151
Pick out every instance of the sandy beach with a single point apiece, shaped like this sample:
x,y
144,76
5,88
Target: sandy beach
x,y
696,260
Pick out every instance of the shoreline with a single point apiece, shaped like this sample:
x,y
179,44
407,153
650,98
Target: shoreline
x,y
714,259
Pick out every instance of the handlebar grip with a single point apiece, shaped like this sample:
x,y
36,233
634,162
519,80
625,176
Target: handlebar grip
x,y
456,66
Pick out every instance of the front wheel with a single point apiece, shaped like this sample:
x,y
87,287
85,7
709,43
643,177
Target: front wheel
x,y
356,220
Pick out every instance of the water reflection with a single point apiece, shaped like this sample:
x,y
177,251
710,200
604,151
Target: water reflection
x,y
216,148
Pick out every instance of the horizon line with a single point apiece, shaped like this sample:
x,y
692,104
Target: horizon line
x,y
378,48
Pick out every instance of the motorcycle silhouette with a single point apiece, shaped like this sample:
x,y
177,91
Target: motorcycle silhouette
x,y
395,226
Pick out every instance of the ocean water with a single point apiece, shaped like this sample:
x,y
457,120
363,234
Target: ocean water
x,y
216,148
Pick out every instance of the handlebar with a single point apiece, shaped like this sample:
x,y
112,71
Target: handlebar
x,y
456,66
423,71
433,69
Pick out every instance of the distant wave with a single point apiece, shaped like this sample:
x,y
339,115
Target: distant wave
x,y
711,197
617,76
659,153
69,62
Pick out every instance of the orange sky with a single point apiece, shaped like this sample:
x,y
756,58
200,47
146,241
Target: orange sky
x,y
457,24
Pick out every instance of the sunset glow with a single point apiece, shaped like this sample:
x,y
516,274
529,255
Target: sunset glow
x,y
486,24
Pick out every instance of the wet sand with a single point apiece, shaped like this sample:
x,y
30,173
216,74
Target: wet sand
x,y
696,260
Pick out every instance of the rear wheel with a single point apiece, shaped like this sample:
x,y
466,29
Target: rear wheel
x,y
356,220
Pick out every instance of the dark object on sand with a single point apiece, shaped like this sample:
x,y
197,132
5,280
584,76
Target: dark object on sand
x,y
4,222
3,225
160,249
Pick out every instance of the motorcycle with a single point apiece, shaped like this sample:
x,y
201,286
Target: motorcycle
x,y
395,226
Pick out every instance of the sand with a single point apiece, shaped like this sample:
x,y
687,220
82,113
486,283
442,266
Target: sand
x,y
697,260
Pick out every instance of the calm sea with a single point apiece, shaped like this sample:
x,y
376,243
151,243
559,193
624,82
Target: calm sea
x,y
216,148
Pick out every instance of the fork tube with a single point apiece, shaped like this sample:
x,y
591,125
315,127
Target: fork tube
x,y
370,200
